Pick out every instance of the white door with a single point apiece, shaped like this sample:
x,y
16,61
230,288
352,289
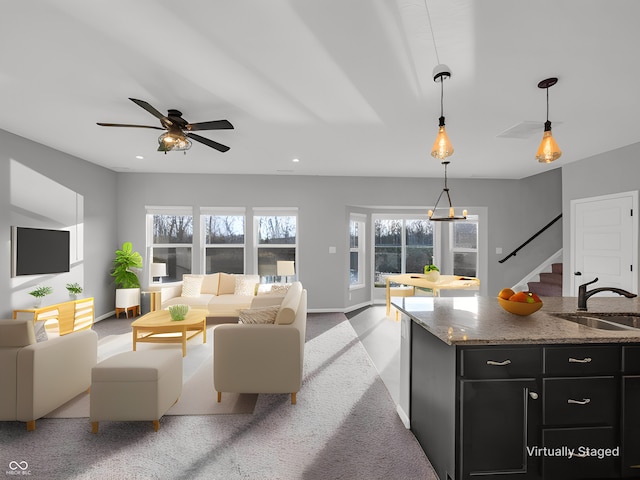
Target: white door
x,y
604,242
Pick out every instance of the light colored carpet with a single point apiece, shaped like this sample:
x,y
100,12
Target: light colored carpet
x,y
198,395
344,426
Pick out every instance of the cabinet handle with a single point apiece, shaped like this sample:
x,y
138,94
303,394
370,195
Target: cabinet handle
x,y
584,401
576,360
492,362
533,395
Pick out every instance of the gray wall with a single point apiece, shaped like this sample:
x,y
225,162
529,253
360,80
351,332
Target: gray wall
x,y
114,211
610,172
48,178
516,209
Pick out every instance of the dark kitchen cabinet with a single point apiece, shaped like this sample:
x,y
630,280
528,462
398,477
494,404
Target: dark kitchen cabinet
x,y
499,420
563,411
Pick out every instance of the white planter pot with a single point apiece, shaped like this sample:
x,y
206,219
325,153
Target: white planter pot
x,y
432,276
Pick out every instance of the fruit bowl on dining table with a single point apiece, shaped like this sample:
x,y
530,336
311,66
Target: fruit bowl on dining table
x,y
519,303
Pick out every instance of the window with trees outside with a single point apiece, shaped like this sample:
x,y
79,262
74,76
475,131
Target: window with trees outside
x,y
276,239
171,241
224,242
463,241
401,245
356,250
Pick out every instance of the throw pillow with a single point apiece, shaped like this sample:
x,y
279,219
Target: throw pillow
x,y
227,284
191,286
245,286
41,332
259,315
279,288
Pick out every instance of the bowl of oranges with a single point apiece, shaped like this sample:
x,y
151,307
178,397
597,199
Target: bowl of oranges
x,y
519,303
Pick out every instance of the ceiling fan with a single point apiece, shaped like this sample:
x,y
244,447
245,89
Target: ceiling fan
x,y
178,130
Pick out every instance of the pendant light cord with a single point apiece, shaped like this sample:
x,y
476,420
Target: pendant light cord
x,y
433,37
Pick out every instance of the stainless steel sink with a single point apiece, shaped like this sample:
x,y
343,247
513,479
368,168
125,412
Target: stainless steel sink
x,y
604,321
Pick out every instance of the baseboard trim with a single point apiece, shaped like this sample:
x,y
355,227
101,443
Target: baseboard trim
x,y
404,417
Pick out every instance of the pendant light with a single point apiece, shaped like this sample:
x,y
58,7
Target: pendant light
x,y
548,151
442,147
451,214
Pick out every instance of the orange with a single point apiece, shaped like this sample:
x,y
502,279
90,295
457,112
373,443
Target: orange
x,y
525,297
506,293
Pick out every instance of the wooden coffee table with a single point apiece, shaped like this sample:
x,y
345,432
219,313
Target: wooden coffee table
x,y
157,327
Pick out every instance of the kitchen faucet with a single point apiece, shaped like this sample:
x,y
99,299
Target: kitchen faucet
x,y
583,295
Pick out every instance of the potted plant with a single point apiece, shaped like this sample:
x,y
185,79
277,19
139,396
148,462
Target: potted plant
x,y
127,283
432,273
74,289
39,293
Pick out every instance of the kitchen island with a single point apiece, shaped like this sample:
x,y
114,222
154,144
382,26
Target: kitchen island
x,y
492,394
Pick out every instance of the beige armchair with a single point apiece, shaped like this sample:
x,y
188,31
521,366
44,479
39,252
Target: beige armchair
x,y
263,358
37,378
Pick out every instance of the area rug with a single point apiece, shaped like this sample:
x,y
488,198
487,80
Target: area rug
x,y
344,426
198,395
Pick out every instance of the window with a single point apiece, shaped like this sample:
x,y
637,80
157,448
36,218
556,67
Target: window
x,y
170,240
276,239
224,242
356,251
463,240
401,245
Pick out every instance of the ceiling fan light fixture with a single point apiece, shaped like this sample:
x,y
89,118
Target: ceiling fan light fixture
x,y
548,151
169,142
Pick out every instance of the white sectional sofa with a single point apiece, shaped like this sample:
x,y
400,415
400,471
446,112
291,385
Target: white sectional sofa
x,y
223,294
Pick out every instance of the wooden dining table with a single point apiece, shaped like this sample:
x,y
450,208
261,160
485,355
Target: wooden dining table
x,y
444,282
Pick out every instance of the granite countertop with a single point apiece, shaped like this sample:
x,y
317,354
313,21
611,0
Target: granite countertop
x,y
482,321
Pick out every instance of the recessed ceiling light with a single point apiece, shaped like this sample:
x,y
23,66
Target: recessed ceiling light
x,y
139,157
295,160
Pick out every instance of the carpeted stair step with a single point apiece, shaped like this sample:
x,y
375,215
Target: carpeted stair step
x,y
549,284
552,278
545,289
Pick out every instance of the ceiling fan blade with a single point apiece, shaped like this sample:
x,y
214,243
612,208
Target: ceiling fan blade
x,y
127,125
213,125
207,142
148,108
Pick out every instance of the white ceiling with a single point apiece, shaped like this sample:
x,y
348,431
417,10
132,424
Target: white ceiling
x,y
345,86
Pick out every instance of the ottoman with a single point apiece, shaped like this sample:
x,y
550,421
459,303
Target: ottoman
x,y
139,385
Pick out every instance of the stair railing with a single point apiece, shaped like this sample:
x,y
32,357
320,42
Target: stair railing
x,y
513,254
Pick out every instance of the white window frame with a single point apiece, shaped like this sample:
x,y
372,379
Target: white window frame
x,y
360,250
453,249
151,211
269,212
221,212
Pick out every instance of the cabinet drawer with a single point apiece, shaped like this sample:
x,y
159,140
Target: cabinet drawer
x,y
579,360
631,359
480,363
580,401
596,453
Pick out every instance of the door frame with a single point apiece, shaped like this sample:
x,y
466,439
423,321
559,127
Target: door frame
x,y
634,241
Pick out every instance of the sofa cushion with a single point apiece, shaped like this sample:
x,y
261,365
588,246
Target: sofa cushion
x,y
227,285
289,305
191,285
210,283
200,301
246,284
281,289
17,333
259,315
267,300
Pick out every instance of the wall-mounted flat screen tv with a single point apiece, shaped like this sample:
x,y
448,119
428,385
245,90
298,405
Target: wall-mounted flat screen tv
x,y
37,251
